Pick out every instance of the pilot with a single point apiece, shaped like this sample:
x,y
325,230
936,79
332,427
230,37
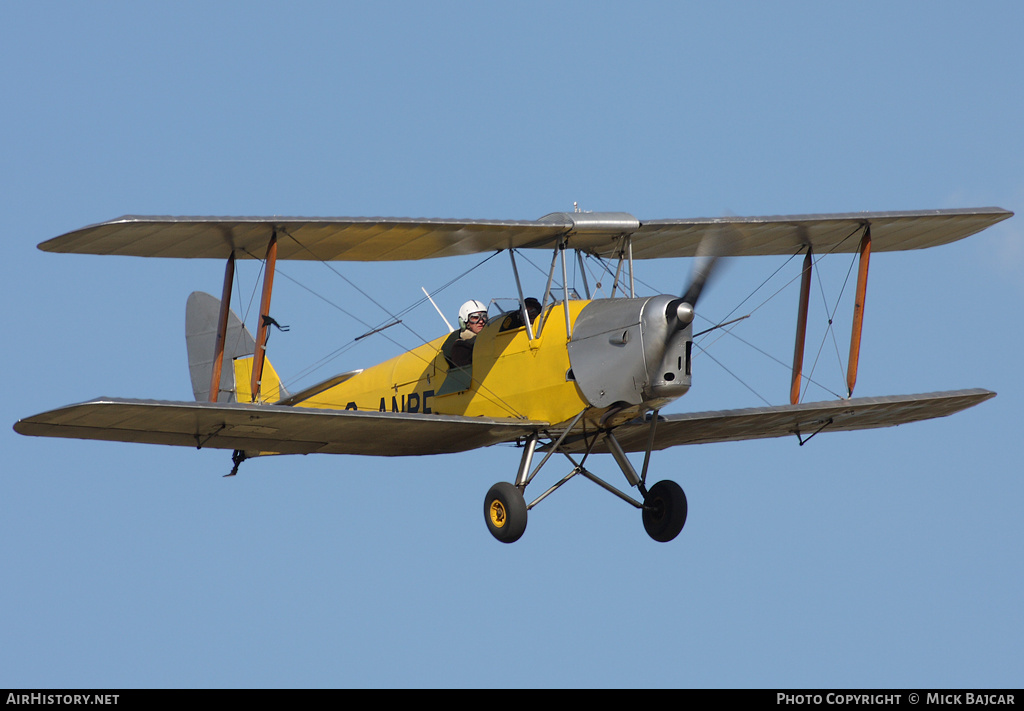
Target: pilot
x,y
515,318
472,319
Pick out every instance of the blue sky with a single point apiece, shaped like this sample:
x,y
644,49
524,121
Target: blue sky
x,y
879,559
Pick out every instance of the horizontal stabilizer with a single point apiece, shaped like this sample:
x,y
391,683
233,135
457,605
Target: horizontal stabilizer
x,y
314,390
803,420
273,428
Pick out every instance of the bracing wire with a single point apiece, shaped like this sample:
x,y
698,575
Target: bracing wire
x,y
830,330
392,317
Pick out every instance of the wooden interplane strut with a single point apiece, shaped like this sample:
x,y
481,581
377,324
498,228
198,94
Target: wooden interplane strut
x,y
801,329
858,308
264,325
222,328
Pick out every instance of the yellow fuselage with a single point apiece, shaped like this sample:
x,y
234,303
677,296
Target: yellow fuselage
x,y
512,376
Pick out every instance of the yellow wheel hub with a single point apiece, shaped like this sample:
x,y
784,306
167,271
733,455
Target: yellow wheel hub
x,y
498,515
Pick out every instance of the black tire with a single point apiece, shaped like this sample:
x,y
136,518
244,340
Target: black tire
x,y
664,511
505,512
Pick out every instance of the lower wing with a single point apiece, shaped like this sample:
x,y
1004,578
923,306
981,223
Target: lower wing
x,y
801,420
291,430
273,428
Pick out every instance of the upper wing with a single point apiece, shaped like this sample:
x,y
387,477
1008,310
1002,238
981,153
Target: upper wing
x,y
393,239
272,428
357,239
837,233
803,420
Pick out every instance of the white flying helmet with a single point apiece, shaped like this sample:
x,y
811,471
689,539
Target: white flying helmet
x,y
470,307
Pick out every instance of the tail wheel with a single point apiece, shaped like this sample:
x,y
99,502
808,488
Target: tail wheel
x,y
505,512
664,511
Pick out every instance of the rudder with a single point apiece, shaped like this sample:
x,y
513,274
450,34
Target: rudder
x,y
202,313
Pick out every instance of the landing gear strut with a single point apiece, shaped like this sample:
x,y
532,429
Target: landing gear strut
x,y
663,509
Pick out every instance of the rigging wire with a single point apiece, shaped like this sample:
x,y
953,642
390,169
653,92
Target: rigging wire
x,y
346,346
391,316
597,282
395,318
829,330
252,297
554,282
738,378
605,267
482,390
817,259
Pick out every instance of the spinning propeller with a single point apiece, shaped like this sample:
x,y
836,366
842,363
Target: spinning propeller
x,y
715,245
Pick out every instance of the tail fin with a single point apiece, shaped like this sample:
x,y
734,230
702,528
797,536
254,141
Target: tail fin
x,y
202,312
271,389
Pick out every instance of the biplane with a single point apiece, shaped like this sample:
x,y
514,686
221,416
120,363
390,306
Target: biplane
x,y
579,377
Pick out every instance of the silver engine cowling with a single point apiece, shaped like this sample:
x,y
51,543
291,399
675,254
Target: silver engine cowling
x,y
632,351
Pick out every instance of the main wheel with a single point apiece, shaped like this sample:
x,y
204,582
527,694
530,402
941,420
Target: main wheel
x,y
664,511
505,512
